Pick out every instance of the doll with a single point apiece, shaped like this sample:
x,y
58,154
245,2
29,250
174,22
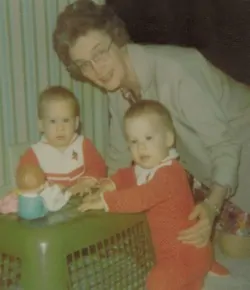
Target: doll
x,y
30,181
36,196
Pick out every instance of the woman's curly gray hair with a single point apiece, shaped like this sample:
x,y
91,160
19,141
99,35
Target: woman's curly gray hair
x,y
77,20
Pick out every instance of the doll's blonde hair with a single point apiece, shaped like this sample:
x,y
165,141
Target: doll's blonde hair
x,y
57,93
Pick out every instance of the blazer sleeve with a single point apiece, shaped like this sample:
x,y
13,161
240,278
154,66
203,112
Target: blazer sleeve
x,y
118,155
208,120
95,164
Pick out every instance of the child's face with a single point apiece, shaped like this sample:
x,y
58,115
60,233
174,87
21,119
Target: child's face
x,y
58,123
148,139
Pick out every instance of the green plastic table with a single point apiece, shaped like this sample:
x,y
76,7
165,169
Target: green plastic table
x,y
77,251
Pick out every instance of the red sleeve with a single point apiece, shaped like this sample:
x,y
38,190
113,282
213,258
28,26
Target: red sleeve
x,y
29,157
95,165
124,178
169,184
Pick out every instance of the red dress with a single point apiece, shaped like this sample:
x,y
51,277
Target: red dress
x,y
167,201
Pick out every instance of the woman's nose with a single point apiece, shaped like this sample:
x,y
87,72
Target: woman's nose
x,y
98,68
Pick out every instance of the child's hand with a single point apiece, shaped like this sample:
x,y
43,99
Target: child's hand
x,y
92,202
83,186
106,184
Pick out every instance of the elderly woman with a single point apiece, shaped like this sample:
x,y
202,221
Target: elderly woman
x,y
210,111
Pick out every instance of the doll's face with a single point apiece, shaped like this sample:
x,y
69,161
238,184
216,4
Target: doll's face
x,y
29,178
59,123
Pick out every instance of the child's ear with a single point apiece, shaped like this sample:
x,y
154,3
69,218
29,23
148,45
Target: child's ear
x,y
40,126
170,138
77,123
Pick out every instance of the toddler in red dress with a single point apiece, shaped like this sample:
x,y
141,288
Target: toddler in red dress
x,y
157,185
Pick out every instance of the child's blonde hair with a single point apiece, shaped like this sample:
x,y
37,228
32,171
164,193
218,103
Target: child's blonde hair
x,y
57,93
150,107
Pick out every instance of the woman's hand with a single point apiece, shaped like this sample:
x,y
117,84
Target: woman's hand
x,y
199,234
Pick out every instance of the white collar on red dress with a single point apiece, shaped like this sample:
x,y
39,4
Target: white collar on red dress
x,y
144,175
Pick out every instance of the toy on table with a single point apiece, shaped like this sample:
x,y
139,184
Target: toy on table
x,y
9,203
35,196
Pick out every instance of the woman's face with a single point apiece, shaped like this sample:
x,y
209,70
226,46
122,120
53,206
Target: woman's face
x,y
100,60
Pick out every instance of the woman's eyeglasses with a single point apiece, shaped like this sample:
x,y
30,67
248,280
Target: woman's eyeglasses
x,y
100,56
